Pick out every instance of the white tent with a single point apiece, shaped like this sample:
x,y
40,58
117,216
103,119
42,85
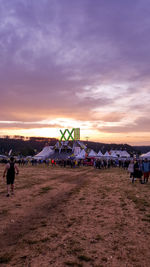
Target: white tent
x,y
113,155
3,157
81,155
124,154
106,154
92,154
81,144
99,155
77,150
120,153
44,154
57,145
145,156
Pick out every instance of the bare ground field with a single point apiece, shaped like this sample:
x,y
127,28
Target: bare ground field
x,y
74,217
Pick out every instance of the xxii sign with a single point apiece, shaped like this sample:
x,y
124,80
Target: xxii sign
x,y
67,135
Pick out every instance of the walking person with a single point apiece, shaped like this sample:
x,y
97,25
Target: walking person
x,y
146,170
10,170
131,168
137,172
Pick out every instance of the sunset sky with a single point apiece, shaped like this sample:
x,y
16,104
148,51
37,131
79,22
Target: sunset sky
x,y
76,63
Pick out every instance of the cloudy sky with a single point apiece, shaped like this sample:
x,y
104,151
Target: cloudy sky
x,y
82,63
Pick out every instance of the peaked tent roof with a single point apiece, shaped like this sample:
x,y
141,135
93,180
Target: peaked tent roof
x,y
124,154
92,153
81,155
81,144
3,157
106,154
45,153
121,153
146,155
113,154
100,154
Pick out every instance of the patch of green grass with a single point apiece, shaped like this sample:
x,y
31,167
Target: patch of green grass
x,y
45,189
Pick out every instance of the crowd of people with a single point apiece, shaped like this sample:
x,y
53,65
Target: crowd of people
x,y
138,169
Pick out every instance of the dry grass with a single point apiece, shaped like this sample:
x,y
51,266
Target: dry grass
x,y
74,217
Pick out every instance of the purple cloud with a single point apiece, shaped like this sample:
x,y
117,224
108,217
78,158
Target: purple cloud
x,y
52,51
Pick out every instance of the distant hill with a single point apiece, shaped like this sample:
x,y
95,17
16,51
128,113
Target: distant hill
x,y
22,146
142,149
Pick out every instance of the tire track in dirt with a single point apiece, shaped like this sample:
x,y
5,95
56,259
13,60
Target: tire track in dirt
x,y
87,221
46,205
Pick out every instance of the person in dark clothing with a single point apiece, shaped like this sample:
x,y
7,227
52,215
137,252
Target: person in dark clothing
x,y
10,170
137,172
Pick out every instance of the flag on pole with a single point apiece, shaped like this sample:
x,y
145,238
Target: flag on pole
x,y
10,151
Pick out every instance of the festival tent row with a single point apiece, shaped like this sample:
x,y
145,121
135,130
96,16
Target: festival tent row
x,y
99,154
62,150
107,155
92,154
78,150
114,154
120,153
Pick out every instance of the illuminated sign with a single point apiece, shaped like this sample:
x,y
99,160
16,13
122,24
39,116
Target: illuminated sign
x,y
73,135
76,133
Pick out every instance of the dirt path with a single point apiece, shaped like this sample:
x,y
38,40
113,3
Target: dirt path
x,y
75,217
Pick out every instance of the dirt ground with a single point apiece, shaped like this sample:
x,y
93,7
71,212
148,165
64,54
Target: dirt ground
x,y
74,217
